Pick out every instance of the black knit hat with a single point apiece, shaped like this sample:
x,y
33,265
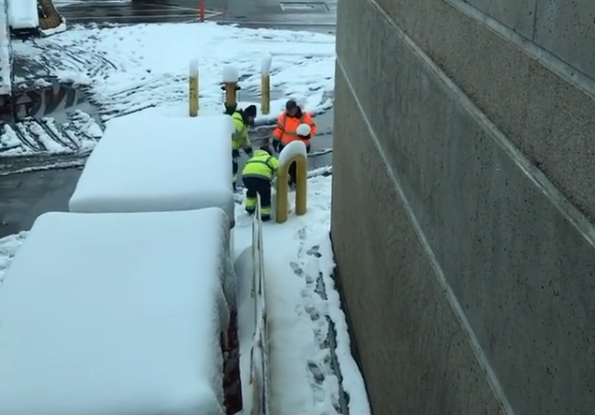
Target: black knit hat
x,y
291,104
250,111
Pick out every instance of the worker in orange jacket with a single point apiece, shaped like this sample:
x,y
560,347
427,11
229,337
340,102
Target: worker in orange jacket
x,y
286,131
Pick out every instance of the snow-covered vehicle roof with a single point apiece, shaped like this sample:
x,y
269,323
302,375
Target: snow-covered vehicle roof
x,y
116,314
148,163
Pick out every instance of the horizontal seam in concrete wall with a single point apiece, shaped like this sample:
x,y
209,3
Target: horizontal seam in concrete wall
x,y
452,299
564,70
558,199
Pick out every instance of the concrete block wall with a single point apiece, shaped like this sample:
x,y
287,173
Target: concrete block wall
x,y
463,203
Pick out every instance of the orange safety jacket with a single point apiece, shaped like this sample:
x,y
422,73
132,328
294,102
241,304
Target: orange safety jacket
x,y
286,128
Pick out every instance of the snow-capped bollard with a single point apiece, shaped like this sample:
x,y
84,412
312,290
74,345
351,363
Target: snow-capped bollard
x,y
294,152
265,82
230,87
193,104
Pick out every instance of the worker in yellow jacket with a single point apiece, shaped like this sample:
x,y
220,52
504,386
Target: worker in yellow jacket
x,y
242,119
257,176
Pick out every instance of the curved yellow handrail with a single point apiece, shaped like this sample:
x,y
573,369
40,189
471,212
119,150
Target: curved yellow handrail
x,y
301,191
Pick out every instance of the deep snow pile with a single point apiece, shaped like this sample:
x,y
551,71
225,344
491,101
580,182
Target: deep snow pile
x,y
89,325
120,174
131,68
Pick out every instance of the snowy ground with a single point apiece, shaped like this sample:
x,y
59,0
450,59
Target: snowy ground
x,y
302,306
132,68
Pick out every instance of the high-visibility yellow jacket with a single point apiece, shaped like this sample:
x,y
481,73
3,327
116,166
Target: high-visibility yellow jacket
x,y
240,138
261,165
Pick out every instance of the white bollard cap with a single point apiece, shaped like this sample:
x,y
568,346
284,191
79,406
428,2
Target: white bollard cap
x,y
265,68
230,74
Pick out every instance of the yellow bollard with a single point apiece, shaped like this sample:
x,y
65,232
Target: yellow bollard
x,y
193,89
265,99
265,82
231,87
301,191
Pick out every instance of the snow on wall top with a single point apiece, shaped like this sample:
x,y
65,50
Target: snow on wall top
x,y
5,51
115,314
158,164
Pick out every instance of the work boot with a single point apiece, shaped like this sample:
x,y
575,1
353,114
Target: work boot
x,y
265,218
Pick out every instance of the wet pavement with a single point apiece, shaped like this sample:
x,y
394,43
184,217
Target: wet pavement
x,y
26,195
309,15
135,12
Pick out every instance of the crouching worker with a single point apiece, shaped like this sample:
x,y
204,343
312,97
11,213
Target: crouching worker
x,y
257,176
242,119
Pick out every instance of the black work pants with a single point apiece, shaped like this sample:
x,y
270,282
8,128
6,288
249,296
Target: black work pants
x,y
262,187
235,167
293,167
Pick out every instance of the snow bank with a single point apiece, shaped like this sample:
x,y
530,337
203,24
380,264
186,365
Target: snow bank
x,y
5,51
22,14
249,267
155,163
8,248
291,150
244,269
116,314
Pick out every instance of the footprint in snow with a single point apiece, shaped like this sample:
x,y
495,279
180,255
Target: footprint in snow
x,y
316,372
312,312
297,270
314,251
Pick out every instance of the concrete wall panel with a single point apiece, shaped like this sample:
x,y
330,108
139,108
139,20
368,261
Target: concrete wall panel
x,y
522,273
517,15
415,357
567,29
548,119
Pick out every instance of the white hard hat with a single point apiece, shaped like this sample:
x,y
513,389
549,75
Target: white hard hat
x,y
303,130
